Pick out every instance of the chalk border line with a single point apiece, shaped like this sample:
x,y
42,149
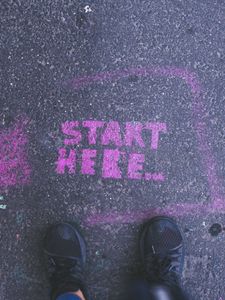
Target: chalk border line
x,y
217,204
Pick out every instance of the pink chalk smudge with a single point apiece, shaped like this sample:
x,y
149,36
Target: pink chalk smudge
x,y
183,209
14,166
154,176
208,160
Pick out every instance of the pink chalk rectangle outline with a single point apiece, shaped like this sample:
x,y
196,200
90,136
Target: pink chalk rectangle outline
x,y
217,204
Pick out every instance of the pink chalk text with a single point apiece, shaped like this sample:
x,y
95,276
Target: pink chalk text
x,y
116,143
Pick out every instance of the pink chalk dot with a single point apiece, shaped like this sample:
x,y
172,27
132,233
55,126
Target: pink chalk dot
x,y
154,176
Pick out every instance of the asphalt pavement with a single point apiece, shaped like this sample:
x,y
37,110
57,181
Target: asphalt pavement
x,y
111,112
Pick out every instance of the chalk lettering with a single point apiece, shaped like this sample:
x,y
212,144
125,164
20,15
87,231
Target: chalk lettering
x,y
68,129
110,164
155,129
64,161
135,165
112,134
92,126
88,162
133,134
115,163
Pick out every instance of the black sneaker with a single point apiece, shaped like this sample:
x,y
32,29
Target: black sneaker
x,y
66,253
162,251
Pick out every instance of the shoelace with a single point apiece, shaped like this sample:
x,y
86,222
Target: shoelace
x,y
161,269
65,269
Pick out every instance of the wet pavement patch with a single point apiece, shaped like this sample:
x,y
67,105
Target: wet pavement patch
x,y
215,229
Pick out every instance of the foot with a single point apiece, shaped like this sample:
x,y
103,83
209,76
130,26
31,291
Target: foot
x,y
66,253
162,251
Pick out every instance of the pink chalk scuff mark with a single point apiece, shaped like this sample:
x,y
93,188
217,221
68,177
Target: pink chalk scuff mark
x,y
178,210
14,166
205,153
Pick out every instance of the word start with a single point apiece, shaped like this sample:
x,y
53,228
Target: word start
x,y
109,149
